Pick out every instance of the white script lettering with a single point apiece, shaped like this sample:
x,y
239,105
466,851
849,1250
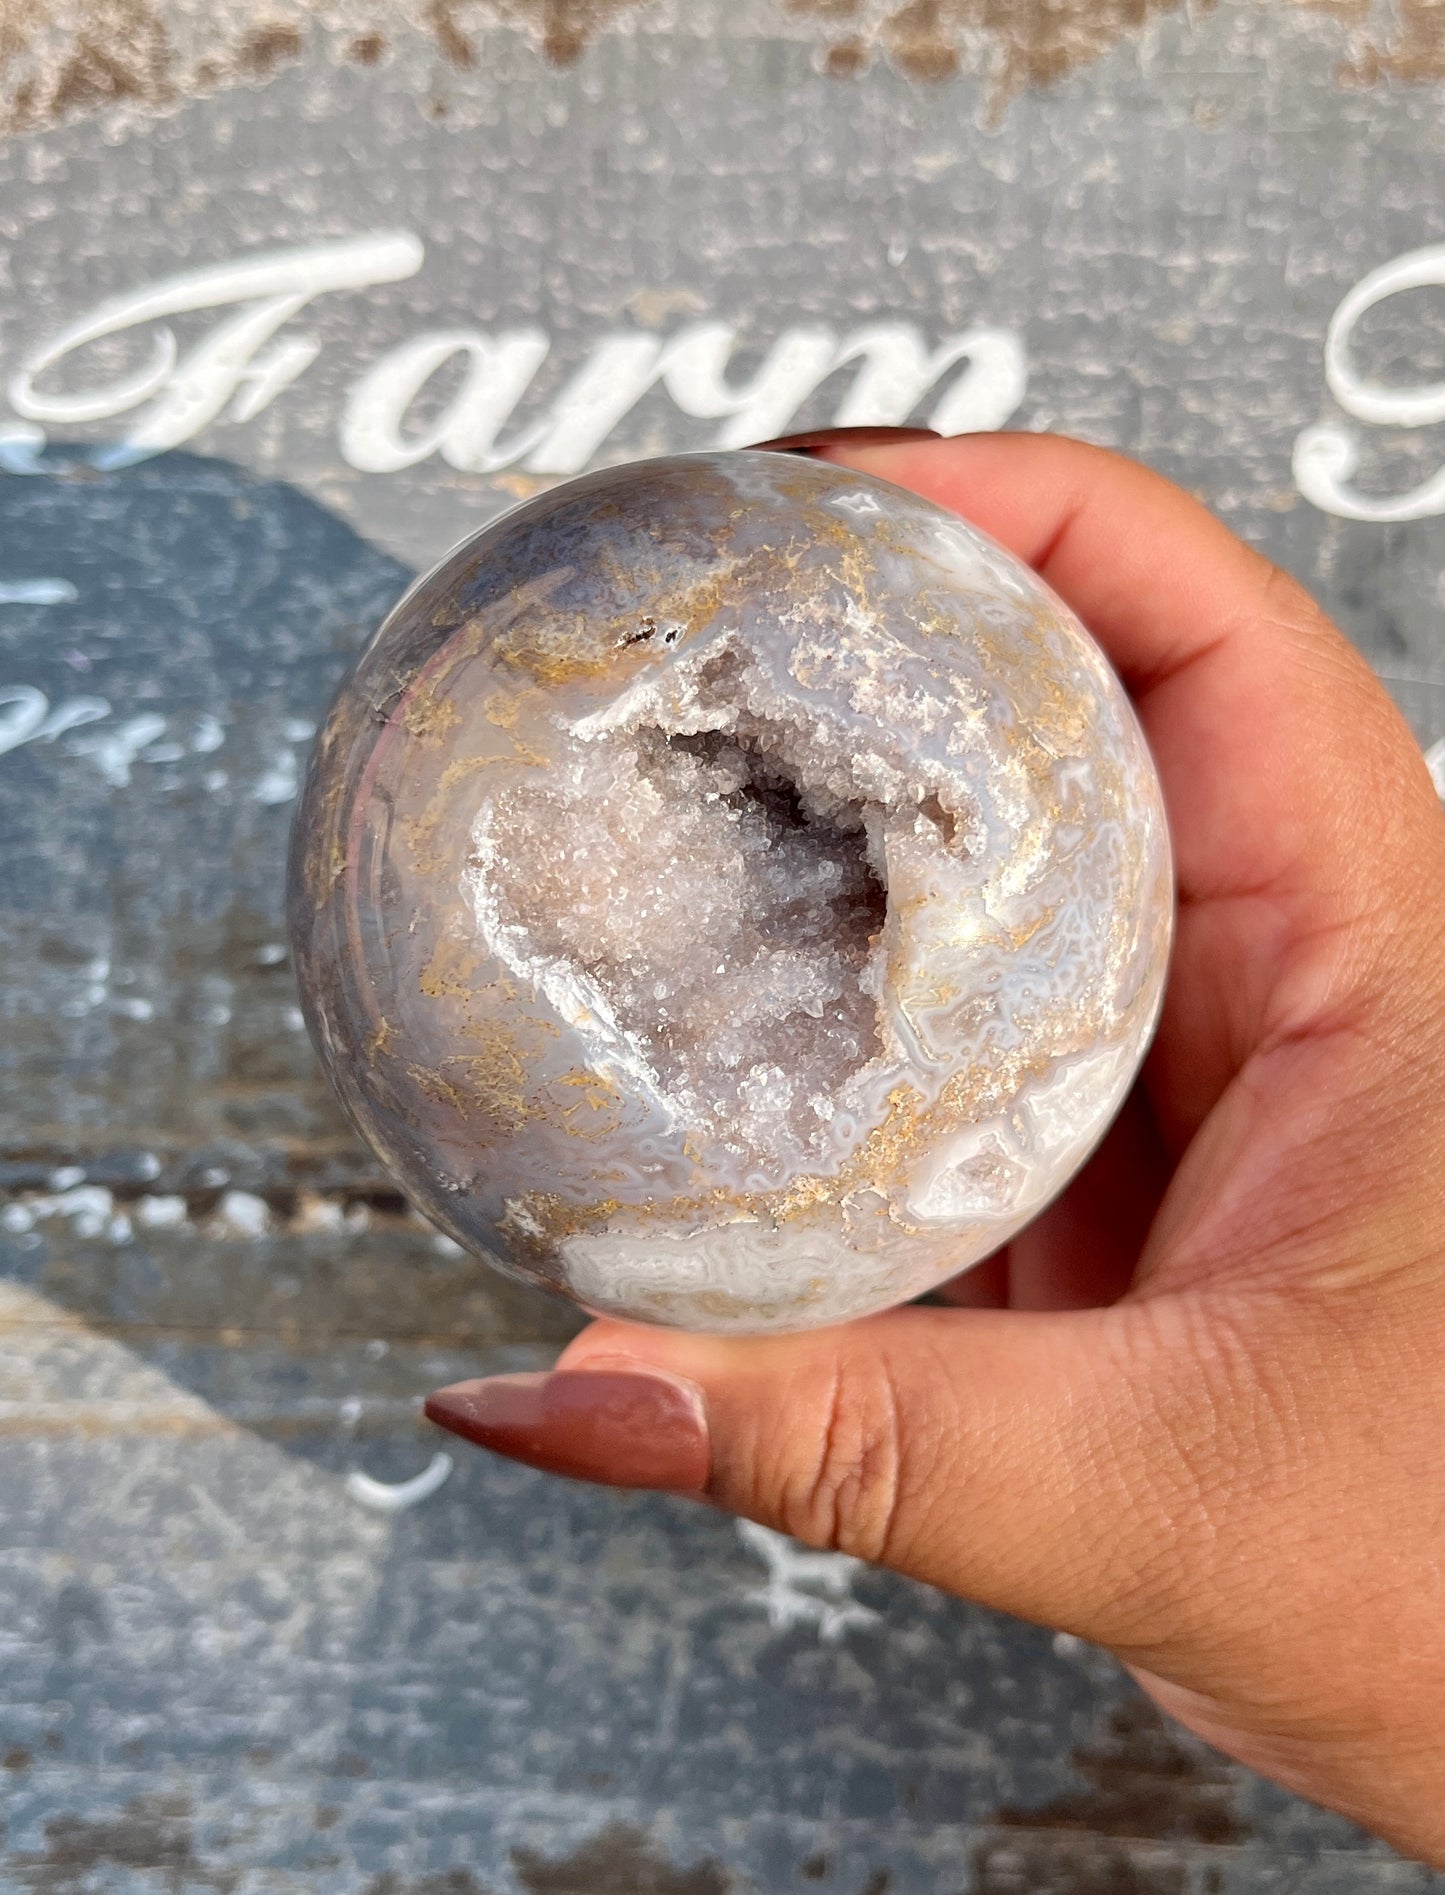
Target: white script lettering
x,y
896,371
1326,456
186,393
26,716
240,365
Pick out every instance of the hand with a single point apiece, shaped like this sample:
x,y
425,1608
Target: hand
x,y
1196,1412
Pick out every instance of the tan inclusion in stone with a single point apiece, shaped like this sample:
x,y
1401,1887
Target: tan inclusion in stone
x,y
733,892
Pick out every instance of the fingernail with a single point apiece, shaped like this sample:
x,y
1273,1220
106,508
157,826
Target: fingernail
x,y
623,1428
845,437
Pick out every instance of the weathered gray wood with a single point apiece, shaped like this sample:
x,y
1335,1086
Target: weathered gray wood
x,y
221,1670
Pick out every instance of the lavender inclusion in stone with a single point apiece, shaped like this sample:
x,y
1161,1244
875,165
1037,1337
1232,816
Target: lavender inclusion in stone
x,y
724,926
732,891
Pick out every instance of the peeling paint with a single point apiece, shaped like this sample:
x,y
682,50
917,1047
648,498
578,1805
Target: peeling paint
x,y
1020,45
62,59
1144,1778
562,28
621,1860
91,1211
1404,41
87,1208
151,1837
241,1214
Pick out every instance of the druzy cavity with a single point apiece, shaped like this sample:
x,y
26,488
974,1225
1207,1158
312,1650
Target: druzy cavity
x,y
732,891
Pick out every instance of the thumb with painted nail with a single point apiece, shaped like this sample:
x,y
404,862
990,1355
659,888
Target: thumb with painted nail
x,y
1193,1412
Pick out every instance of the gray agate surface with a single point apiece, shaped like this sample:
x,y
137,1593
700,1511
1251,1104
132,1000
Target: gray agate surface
x,y
732,891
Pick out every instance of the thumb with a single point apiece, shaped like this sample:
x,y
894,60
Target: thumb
x,y
1017,1458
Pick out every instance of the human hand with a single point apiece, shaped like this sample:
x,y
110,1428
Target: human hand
x,y
1194,1412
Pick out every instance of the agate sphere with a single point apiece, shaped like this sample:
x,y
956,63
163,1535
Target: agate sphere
x,y
731,891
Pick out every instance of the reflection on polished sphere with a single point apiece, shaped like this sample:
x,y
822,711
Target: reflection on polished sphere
x,y
733,892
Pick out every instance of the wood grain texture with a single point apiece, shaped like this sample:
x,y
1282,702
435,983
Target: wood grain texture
x,y
222,1672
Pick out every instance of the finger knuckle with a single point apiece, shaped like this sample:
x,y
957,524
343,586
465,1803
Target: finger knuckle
x,y
844,1493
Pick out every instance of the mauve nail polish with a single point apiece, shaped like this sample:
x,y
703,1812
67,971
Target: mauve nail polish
x,y
846,437
622,1428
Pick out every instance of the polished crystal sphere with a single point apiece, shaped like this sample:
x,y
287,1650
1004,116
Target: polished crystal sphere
x,y
733,892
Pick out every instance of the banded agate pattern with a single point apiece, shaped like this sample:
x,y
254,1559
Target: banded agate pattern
x,y
733,892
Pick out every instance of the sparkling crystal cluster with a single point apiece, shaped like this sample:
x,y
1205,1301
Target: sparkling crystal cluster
x,y
732,891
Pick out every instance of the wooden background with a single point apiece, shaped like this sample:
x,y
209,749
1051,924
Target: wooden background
x,y
225,1665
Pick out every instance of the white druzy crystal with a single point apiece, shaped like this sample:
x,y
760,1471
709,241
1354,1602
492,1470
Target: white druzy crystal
x,y
732,891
